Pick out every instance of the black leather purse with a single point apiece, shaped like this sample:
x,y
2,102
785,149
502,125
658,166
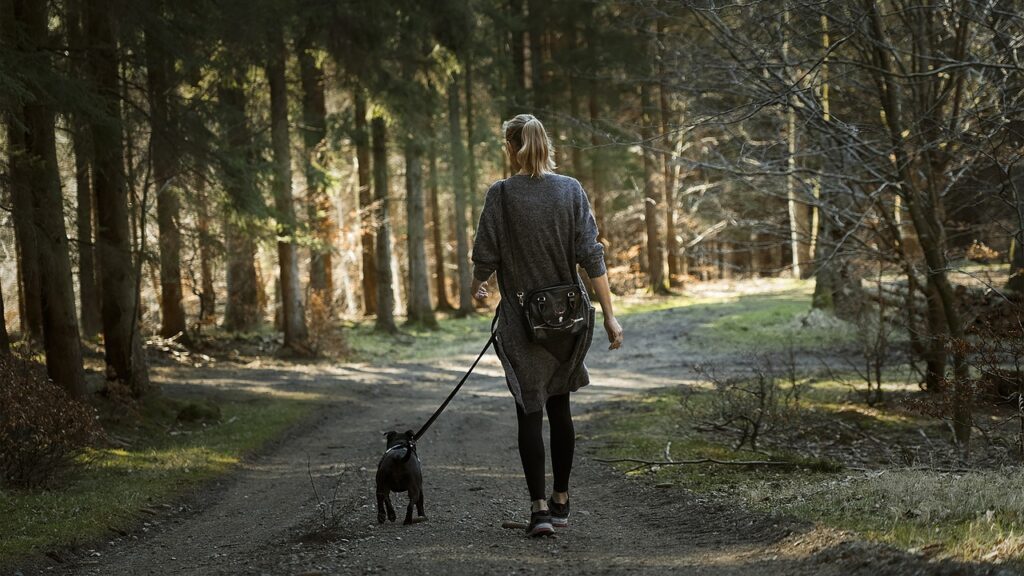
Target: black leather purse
x,y
552,313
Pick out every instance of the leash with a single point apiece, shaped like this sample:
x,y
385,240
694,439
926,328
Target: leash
x,y
458,386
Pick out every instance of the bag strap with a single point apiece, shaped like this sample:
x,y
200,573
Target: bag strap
x,y
511,247
506,232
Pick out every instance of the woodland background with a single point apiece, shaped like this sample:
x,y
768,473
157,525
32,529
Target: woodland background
x,y
181,174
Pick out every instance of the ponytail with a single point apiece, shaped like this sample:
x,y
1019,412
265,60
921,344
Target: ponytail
x,y
534,153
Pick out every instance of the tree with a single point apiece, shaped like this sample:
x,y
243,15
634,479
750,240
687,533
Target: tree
x,y
653,197
295,332
166,175
39,179
242,310
420,311
361,138
437,234
314,132
458,156
385,293
88,291
122,342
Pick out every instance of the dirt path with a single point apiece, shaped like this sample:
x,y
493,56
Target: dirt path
x,y
258,521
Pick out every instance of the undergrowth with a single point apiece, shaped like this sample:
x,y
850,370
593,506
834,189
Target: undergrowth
x,y
152,460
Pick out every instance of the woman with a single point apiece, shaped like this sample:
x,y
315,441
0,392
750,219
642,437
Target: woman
x,y
530,225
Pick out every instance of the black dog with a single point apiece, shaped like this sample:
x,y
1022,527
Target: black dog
x,y
399,471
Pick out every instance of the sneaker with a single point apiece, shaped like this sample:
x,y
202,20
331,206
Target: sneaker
x,y
540,524
559,513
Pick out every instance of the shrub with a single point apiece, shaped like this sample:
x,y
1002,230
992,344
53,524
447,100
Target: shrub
x,y
42,429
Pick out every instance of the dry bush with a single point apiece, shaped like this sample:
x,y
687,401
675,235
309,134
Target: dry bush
x,y
753,405
42,429
994,349
324,334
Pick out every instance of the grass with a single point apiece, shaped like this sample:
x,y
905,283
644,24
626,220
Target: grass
x,y
117,483
972,516
415,343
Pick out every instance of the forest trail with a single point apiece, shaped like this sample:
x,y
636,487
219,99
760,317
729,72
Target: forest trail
x,y
259,520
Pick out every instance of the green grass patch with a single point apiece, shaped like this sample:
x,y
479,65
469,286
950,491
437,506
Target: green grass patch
x,y
415,343
117,483
773,322
971,516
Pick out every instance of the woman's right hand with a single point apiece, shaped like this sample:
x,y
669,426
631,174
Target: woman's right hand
x,y
614,330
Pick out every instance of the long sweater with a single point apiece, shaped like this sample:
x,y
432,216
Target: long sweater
x,y
545,215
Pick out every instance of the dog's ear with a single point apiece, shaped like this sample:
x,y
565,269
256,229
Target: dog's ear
x,y
410,434
390,436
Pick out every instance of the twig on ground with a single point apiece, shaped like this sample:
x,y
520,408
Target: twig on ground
x,y
697,461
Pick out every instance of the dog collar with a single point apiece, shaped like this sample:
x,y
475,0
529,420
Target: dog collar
x,y
406,445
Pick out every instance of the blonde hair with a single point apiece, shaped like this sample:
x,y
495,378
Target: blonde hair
x,y
534,152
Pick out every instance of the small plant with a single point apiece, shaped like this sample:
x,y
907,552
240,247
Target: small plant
x,y
751,406
42,430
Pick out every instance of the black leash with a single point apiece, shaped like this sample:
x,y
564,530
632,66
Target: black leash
x,y
455,391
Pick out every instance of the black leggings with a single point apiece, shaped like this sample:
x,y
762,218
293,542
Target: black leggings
x,y
531,445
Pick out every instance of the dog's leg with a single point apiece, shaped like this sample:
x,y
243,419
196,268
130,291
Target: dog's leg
x,y
419,505
408,512
391,509
380,506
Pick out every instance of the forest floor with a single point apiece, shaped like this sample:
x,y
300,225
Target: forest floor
x,y
263,518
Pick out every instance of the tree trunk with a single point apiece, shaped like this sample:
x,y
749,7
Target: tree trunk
x,y
242,310
30,288
385,291
5,338
652,197
166,168
516,86
597,186
458,186
671,245
474,193
535,31
88,292
318,204
296,336
798,231
1016,281
924,214
420,311
437,230
42,182
122,342
361,136
207,293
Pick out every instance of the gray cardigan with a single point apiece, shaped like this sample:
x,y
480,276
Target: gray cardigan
x,y
545,215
